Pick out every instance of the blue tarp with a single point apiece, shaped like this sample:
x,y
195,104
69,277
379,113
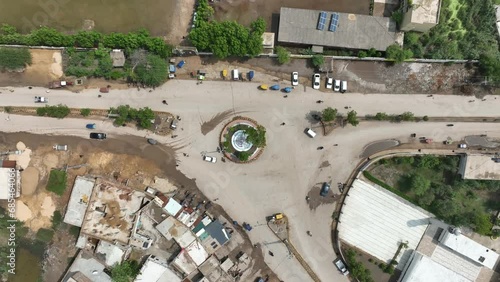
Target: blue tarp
x,y
172,68
181,64
287,89
275,87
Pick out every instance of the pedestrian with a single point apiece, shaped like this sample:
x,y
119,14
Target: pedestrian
x,y
282,123
286,96
335,144
271,253
320,148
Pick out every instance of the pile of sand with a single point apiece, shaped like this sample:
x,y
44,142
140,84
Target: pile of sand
x,y
23,213
56,66
48,207
29,180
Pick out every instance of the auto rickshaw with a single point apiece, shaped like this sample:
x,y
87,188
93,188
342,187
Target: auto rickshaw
x,y
224,74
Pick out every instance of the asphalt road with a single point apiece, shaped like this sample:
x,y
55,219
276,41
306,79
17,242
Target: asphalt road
x,y
290,164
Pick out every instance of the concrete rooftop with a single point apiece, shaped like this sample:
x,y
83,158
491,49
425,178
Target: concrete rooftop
x,y
480,167
425,11
79,201
354,31
111,212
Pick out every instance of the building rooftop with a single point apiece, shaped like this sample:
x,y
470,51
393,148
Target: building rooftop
x,y
172,207
268,40
171,227
118,58
109,253
89,267
185,239
469,248
111,212
154,270
456,262
196,252
299,26
184,263
377,221
423,269
425,11
212,270
218,232
479,167
79,201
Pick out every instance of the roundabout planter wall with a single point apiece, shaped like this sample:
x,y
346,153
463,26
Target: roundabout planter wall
x,y
243,145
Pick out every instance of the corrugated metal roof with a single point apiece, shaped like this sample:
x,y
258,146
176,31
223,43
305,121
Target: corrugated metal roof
x,y
377,221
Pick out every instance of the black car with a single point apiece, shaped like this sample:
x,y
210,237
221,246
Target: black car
x,y
450,124
95,135
324,189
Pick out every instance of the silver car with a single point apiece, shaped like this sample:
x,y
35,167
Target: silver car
x,y
295,78
210,159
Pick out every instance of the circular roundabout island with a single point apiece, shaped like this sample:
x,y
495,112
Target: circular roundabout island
x,y
243,140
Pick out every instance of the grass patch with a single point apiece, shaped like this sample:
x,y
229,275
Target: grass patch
x,y
75,231
433,183
57,182
45,235
56,219
14,58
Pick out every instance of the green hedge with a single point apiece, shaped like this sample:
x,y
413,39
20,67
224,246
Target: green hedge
x,y
46,36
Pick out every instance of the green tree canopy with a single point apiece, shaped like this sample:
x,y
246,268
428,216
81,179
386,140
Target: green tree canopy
x,y
317,60
125,271
419,184
395,53
352,118
283,55
256,136
152,72
329,114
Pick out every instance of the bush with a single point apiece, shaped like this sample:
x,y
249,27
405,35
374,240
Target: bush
x,y
126,114
74,230
283,55
7,109
57,182
425,118
14,58
85,112
56,219
317,60
125,271
397,54
152,72
381,116
45,235
362,54
352,118
59,111
256,136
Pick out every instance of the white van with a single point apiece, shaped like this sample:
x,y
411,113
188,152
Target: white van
x,y
236,75
343,86
310,132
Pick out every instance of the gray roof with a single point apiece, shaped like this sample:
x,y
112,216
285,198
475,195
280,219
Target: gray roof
x,y
353,31
217,231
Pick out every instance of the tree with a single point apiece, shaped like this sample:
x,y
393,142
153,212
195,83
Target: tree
x,y
362,54
395,53
381,116
352,118
283,55
125,271
490,66
420,184
256,136
258,26
329,114
144,117
408,116
317,60
85,112
87,39
482,223
428,161
153,72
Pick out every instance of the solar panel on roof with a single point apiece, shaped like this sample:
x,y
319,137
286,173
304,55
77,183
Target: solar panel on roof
x,y
334,22
322,20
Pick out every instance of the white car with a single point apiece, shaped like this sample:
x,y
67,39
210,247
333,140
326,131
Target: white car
x,y
462,146
40,99
295,78
329,83
210,159
316,80
336,86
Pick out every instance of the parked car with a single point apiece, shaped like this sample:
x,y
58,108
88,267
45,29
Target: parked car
x,y
39,99
310,132
173,124
324,189
316,81
462,146
450,124
152,141
60,147
99,136
210,159
343,86
329,83
336,86
90,126
295,78
341,266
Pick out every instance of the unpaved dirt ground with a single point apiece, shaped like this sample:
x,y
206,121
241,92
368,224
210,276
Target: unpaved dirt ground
x,y
245,11
46,66
127,158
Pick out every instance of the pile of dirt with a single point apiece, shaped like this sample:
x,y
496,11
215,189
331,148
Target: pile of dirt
x,y
29,180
